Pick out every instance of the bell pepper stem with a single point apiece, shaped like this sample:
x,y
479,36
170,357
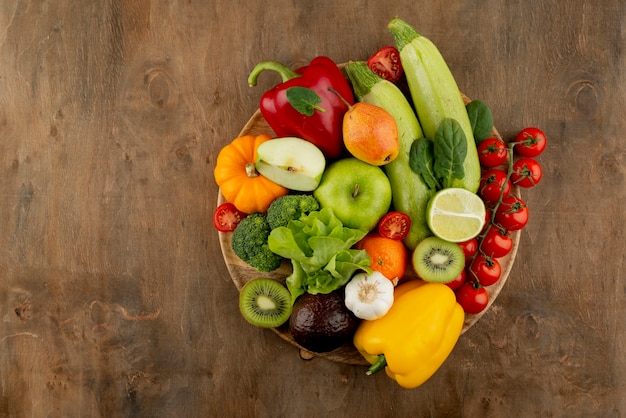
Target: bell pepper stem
x,y
285,72
380,364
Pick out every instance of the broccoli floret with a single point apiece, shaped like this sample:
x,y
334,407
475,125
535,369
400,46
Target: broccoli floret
x,y
249,242
288,207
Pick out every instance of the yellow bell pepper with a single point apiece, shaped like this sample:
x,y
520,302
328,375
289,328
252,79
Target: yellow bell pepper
x,y
416,335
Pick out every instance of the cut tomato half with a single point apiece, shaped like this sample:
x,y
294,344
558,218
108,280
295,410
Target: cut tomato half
x,y
395,225
226,217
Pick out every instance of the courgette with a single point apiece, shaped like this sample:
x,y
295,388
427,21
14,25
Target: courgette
x,y
409,192
435,93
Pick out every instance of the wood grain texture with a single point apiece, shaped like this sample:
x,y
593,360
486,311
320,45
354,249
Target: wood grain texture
x,y
114,297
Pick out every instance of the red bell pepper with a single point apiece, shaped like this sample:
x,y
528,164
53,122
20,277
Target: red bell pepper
x,y
304,106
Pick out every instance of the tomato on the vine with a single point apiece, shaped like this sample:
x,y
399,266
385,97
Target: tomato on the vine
x,y
469,247
226,217
530,142
512,213
492,184
458,282
486,270
497,242
394,225
492,152
488,216
472,297
527,172
386,63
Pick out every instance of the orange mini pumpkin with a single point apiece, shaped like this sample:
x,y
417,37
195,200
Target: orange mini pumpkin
x,y
238,179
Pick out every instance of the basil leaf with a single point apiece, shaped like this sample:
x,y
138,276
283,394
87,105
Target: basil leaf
x,y
304,100
481,119
450,151
422,160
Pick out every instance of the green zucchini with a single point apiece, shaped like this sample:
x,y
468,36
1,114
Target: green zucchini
x,y
435,94
409,192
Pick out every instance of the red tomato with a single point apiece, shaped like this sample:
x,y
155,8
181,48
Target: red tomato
x,y
527,172
473,298
469,249
530,142
226,217
488,213
394,225
458,282
492,152
491,184
386,63
512,214
486,270
497,242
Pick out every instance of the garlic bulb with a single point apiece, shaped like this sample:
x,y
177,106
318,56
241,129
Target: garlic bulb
x,y
369,296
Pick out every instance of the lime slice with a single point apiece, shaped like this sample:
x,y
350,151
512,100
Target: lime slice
x,y
456,214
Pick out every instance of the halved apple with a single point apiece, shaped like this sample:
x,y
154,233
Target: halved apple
x,y
292,162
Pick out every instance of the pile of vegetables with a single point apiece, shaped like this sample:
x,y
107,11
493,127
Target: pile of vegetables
x,y
407,327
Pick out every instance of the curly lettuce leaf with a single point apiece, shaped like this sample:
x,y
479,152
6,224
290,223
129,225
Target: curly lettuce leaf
x,y
319,247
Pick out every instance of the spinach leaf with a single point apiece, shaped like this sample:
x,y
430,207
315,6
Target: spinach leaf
x,y
481,119
450,151
422,161
304,100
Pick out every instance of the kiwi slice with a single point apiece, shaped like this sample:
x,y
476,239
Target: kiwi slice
x,y
265,303
438,260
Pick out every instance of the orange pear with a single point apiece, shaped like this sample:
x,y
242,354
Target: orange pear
x,y
370,133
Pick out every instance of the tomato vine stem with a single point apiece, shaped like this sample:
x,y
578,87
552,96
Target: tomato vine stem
x,y
492,219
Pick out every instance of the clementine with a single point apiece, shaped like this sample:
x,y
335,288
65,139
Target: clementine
x,y
389,256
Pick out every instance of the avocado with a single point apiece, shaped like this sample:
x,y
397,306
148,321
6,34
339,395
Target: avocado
x,y
321,322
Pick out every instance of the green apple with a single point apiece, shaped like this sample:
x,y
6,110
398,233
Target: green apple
x,y
358,193
292,162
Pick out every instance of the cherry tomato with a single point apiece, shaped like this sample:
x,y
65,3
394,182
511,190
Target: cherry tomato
x,y
394,225
491,184
488,215
469,248
492,152
226,217
512,214
386,63
527,172
486,270
472,297
497,242
458,282
530,142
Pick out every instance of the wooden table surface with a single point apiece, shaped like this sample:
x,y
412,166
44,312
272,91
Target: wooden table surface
x,y
114,297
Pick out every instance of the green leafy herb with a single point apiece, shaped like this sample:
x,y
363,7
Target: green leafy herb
x,y
440,161
422,161
481,119
319,247
304,100
450,151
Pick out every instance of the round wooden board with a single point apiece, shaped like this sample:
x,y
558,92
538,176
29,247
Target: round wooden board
x,y
241,273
